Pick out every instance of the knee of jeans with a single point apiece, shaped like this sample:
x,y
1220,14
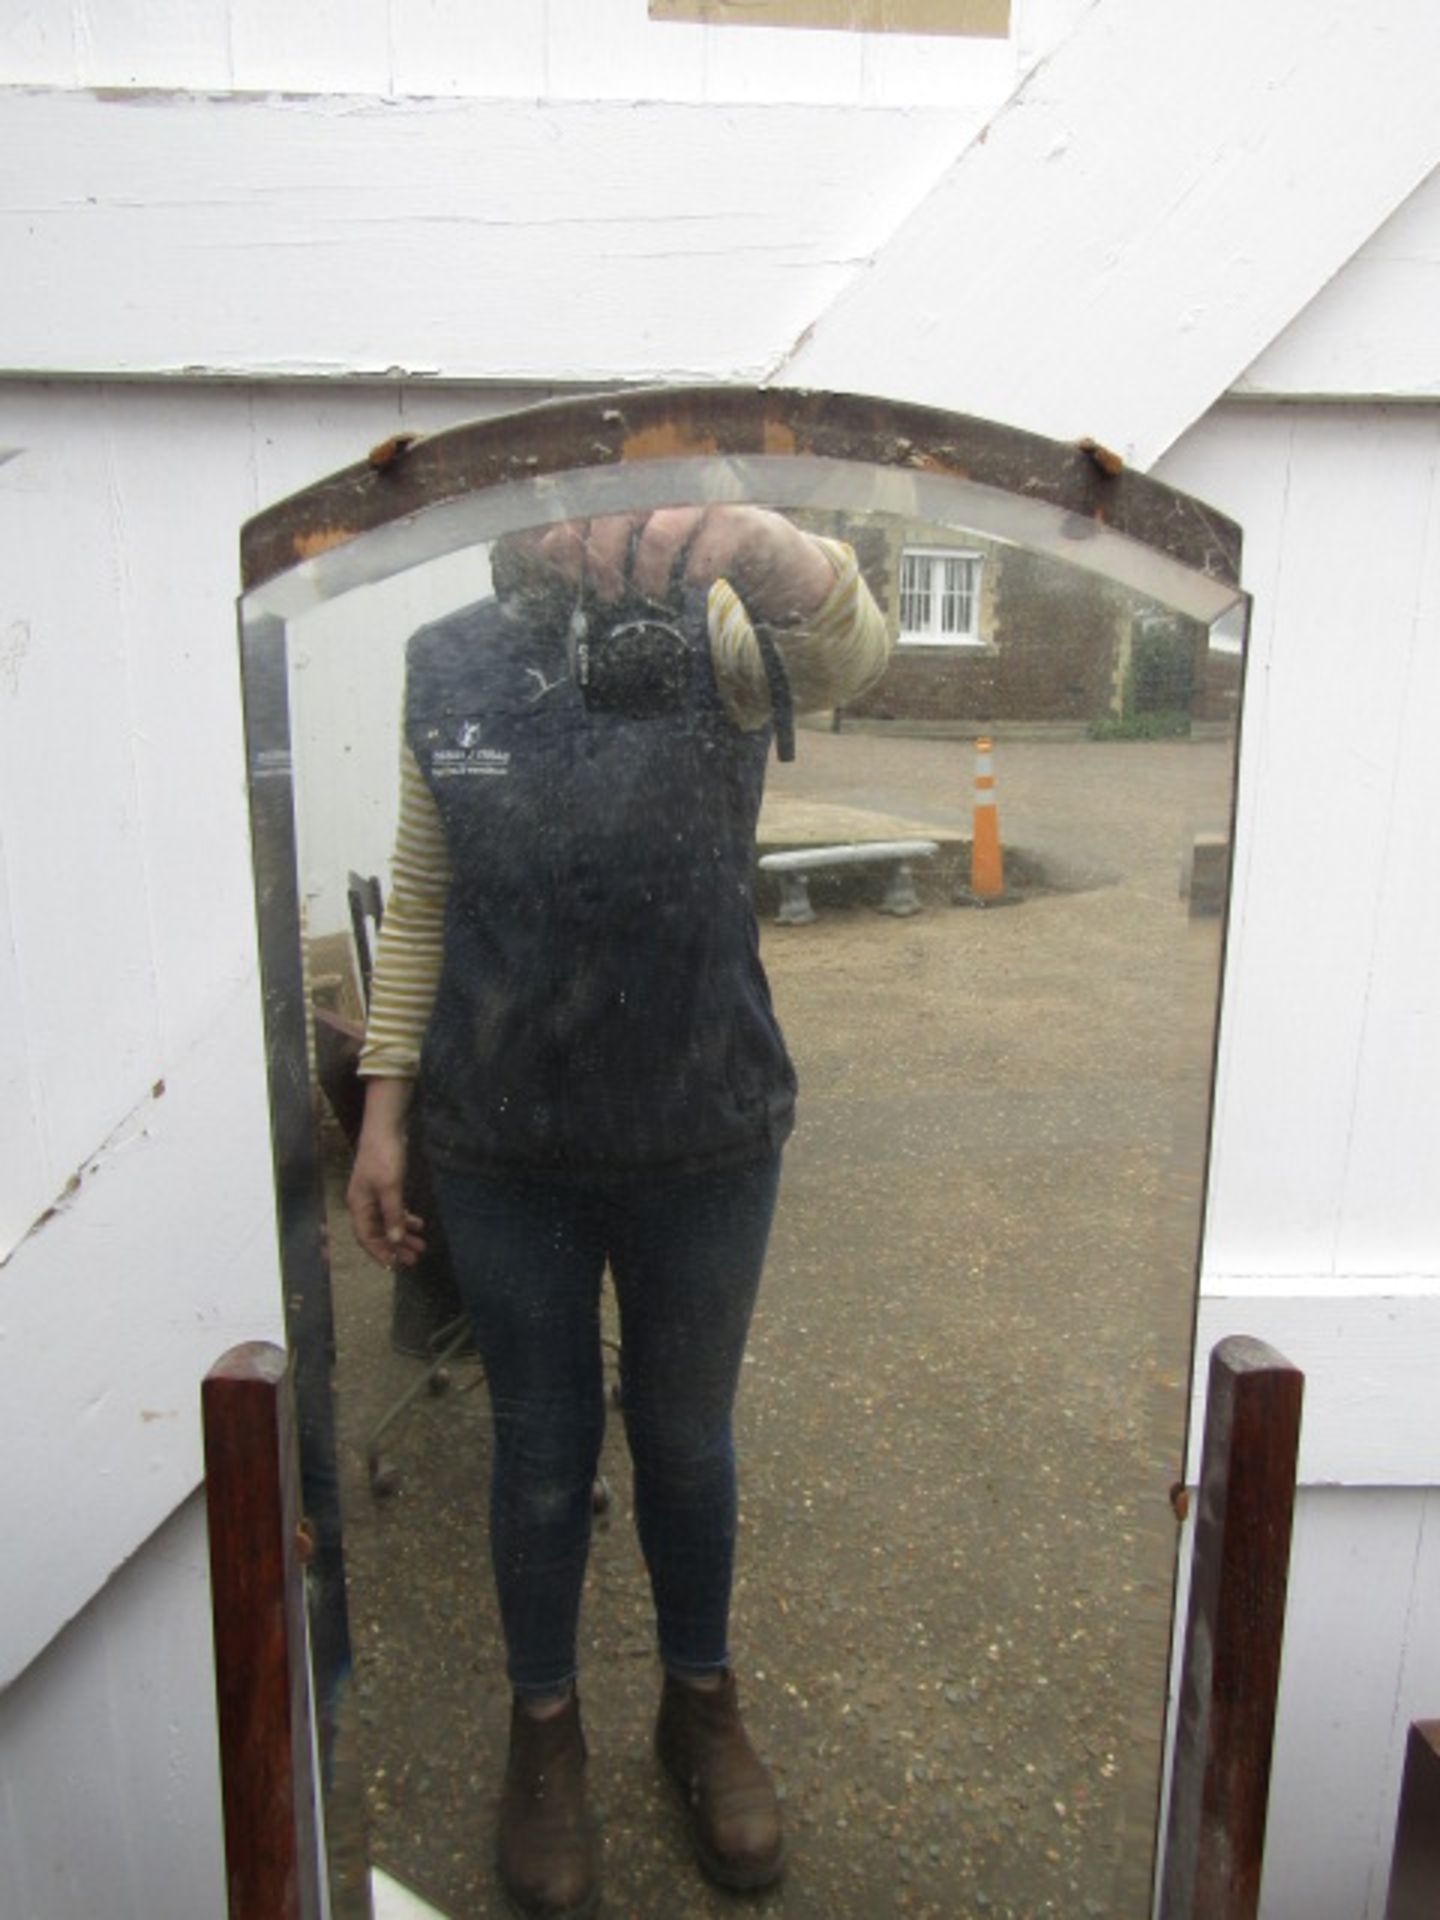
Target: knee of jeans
x,y
549,1433
540,1502
683,1454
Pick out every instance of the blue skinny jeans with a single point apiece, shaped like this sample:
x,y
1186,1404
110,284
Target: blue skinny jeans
x,y
685,1253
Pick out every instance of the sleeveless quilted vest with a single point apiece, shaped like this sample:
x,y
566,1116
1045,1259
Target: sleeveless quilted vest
x,y
601,1007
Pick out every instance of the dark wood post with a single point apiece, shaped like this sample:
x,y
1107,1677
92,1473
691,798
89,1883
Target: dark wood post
x,y
1415,1870
262,1678
1225,1724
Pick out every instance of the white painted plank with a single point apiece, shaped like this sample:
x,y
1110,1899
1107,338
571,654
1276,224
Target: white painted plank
x,y
1341,635
347,40
1156,203
1332,957
135,43
832,65
111,1312
1371,1417
1390,1204
502,241
1375,329
900,69
517,49
175,606
1038,26
1358,1583
26,1183
1375,334
296,435
109,1783
500,51
109,1318
39,43
74,855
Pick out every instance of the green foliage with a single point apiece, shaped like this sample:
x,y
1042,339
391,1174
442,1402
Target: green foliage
x,y
1162,668
1159,684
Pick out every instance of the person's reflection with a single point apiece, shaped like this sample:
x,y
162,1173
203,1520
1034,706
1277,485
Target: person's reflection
x,y
569,969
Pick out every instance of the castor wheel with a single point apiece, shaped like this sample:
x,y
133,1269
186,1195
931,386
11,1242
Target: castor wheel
x,y
384,1477
439,1380
600,1495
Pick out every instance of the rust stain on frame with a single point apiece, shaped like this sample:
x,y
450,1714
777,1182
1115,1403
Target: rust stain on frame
x,y
320,540
979,19
667,439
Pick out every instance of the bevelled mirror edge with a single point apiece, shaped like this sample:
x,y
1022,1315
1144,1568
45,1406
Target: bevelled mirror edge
x,y
471,484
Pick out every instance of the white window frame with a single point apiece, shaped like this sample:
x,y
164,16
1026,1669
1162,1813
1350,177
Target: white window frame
x,y
933,633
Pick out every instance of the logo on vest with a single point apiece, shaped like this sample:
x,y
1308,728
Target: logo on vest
x,y
467,759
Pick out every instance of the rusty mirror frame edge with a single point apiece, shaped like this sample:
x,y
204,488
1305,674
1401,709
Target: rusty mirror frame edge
x,y
632,425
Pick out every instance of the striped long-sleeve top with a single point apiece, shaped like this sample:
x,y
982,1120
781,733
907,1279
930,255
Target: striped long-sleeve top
x,y
840,650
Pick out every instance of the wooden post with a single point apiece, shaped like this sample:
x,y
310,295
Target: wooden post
x,y
1415,1870
262,1675
1225,1725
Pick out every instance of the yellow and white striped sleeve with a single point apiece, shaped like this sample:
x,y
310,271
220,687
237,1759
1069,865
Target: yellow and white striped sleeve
x,y
412,936
842,649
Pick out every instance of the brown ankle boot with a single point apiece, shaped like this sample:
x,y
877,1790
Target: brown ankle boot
x,y
734,1814
548,1852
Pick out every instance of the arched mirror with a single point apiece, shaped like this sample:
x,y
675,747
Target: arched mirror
x,y
995,966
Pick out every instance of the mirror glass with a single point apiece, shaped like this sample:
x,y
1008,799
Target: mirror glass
x,y
963,1398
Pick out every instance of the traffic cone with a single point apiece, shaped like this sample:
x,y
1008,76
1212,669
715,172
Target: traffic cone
x,y
987,866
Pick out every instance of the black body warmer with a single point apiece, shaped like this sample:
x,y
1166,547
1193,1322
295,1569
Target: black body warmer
x,y
602,1007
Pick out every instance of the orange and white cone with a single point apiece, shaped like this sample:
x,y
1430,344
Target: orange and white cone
x,y
987,866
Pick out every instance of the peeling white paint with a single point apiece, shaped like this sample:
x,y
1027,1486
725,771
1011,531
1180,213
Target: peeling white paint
x,y
130,1133
445,238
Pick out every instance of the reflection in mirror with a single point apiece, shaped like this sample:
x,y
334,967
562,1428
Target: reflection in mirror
x,y
962,1399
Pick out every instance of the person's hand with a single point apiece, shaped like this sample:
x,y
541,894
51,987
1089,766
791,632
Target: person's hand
x,y
375,1197
779,572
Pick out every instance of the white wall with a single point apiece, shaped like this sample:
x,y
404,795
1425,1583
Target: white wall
x,y
1160,200
522,49
325,236
1322,1183
1324,1230
135,1177
127,947
156,236
109,1784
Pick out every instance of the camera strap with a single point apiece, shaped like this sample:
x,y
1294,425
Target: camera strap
x,y
782,703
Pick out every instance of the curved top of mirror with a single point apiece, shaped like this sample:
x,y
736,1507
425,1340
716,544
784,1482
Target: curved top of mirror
x,y
1075,501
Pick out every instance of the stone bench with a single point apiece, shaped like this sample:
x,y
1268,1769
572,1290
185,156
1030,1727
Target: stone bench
x,y
893,857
